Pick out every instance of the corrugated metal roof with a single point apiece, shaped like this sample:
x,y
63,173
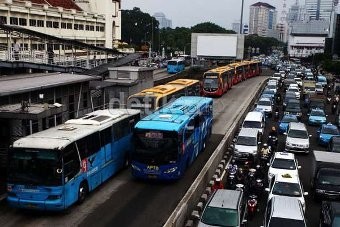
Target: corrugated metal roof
x,y
316,27
66,4
31,82
263,4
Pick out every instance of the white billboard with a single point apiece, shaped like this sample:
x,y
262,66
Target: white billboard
x,y
217,46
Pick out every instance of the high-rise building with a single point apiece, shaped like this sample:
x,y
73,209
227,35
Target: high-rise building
x,y
236,27
262,19
297,13
320,9
163,21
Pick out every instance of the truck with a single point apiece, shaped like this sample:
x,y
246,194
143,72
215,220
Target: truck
x,y
308,87
325,178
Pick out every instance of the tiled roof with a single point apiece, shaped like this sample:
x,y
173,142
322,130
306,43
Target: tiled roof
x,y
263,4
66,4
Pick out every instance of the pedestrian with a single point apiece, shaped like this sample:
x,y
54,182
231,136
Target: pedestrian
x,y
16,49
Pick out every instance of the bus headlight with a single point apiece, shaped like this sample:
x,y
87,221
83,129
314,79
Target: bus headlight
x,y
135,167
171,170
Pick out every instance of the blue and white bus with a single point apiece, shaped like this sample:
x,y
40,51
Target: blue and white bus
x,y
170,139
53,169
175,65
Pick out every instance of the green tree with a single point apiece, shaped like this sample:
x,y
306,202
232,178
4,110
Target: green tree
x,y
265,44
209,27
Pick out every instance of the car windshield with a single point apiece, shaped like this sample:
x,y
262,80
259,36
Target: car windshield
x,y
271,87
35,166
210,83
251,124
287,189
267,91
280,163
293,105
287,119
293,89
285,222
317,113
246,141
330,130
294,133
264,103
216,216
329,177
318,86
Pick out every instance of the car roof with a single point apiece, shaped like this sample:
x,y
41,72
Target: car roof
x,y
329,125
297,125
285,177
286,207
290,116
249,132
264,99
284,155
225,198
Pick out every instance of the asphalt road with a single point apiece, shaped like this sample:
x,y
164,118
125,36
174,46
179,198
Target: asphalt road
x,y
123,201
305,161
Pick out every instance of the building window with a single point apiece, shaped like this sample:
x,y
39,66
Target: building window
x,y
69,26
22,22
14,20
3,20
81,27
102,28
33,22
55,24
40,23
56,46
97,28
63,25
49,24
91,28
87,27
34,46
76,26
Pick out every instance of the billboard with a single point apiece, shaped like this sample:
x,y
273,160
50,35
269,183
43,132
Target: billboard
x,y
217,46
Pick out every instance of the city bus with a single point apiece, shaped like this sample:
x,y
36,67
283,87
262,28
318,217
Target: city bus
x,y
54,168
239,71
149,100
217,81
170,139
255,68
176,65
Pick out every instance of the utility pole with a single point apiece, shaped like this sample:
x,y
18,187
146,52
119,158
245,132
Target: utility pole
x,y
241,24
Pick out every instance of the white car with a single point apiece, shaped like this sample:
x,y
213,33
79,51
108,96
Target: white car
x,y
283,74
294,89
287,185
283,162
318,88
297,139
266,105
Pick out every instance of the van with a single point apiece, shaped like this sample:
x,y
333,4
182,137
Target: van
x,y
224,208
254,120
284,211
246,146
297,139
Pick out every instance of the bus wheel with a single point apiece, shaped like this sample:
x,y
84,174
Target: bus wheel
x,y
82,192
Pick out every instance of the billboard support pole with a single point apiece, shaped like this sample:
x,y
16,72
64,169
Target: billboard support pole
x,y
241,21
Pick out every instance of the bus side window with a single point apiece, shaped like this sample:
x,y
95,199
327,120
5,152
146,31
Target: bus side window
x,y
71,162
117,131
189,129
105,136
132,123
197,121
89,145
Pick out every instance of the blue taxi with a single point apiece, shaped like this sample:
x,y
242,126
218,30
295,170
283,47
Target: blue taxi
x,y
286,119
326,132
317,117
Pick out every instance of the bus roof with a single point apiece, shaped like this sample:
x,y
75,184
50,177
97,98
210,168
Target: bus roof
x,y
185,82
62,135
175,115
219,69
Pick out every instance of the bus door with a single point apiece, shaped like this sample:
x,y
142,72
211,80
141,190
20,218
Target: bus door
x,y
106,146
197,135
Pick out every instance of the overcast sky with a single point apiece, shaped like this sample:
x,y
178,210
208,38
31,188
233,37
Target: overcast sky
x,y
187,13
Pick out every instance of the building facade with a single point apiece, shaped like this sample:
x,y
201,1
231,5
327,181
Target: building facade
x,y
86,21
307,38
262,19
320,9
236,27
163,21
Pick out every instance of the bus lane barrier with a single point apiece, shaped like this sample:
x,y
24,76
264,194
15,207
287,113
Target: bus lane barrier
x,y
193,202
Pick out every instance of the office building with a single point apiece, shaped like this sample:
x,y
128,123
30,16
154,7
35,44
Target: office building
x,y
320,9
262,19
163,21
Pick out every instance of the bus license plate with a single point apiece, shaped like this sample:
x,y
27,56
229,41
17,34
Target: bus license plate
x,y
152,176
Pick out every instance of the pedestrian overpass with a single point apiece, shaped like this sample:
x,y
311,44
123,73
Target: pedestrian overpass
x,y
68,55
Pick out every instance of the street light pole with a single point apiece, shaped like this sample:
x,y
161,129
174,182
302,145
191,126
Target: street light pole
x,y
151,33
241,21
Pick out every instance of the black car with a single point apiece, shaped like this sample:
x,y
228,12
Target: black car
x,y
293,107
334,144
330,214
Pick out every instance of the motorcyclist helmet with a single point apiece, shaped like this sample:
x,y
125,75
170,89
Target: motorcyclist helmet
x,y
265,145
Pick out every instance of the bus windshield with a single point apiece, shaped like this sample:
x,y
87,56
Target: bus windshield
x,y
35,166
210,80
160,146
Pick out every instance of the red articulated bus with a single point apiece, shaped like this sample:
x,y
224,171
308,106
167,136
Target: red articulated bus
x,y
217,81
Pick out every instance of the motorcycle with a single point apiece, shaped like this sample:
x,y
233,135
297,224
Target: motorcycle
x,y
272,142
329,98
252,206
259,187
276,115
231,182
